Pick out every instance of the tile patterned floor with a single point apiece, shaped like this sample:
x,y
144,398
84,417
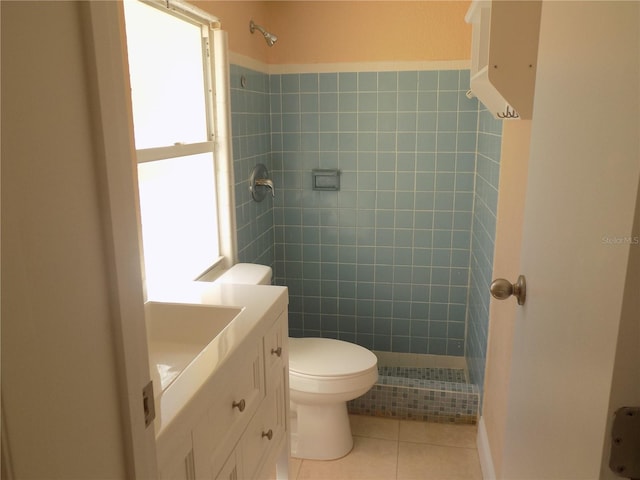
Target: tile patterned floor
x,y
388,449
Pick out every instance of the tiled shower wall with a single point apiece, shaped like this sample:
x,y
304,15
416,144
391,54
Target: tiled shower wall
x,y
384,262
483,232
251,129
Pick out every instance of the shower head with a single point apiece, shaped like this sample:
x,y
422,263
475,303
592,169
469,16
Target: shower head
x,y
269,37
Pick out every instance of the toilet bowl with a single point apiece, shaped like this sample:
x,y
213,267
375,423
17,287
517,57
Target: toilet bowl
x,y
324,374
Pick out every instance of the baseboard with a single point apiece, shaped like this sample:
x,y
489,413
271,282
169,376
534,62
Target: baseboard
x,y
484,452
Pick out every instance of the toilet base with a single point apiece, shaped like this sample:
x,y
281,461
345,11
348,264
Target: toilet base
x,y
320,432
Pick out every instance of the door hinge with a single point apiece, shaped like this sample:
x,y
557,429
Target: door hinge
x,y
625,443
148,404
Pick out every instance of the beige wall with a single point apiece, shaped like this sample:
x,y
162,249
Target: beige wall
x,y
345,31
513,183
235,16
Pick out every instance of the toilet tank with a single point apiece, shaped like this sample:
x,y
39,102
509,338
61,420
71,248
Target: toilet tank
x,y
247,274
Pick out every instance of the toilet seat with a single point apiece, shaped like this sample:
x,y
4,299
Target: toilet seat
x,y
329,366
328,357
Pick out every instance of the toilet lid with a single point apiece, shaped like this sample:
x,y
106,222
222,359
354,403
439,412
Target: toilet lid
x,y
328,357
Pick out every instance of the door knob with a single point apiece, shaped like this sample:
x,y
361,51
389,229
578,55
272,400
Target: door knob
x,y
503,289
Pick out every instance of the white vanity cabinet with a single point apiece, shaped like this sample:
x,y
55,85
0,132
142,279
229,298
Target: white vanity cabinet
x,y
266,435
236,393
236,424
233,444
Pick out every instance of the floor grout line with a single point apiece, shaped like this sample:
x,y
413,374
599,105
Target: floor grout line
x,y
436,444
398,456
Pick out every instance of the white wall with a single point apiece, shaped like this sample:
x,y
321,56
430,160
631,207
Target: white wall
x,y
62,386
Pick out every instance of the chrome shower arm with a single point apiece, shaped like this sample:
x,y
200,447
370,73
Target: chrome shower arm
x,y
253,27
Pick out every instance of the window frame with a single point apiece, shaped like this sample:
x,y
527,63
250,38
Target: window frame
x,y
217,111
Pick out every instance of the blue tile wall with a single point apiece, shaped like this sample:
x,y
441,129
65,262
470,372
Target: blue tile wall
x,y
483,234
385,261
392,260
251,137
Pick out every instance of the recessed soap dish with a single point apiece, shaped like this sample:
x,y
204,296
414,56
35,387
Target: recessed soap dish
x,y
326,179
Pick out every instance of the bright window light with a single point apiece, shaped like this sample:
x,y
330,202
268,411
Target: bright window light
x,y
180,237
172,86
167,81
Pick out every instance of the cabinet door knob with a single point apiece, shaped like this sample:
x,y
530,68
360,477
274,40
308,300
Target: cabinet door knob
x,y
276,351
268,434
239,405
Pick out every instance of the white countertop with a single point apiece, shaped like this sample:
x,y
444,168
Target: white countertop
x,y
258,302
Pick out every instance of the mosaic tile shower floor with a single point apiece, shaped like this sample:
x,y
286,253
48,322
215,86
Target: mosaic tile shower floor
x,y
416,393
456,375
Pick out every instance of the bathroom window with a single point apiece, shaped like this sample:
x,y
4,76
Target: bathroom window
x,y
183,175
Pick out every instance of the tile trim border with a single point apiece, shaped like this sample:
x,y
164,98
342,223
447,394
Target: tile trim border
x,y
248,62
369,67
390,66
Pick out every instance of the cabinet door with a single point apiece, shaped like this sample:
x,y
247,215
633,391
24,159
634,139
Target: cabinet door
x,y
178,467
232,468
235,394
276,346
266,431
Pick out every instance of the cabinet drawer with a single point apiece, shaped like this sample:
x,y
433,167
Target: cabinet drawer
x,y
237,393
267,429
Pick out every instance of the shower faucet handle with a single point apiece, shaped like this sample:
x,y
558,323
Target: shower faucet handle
x,y
265,182
260,178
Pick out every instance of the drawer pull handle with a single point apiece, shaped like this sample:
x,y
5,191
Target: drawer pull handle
x,y
240,405
268,434
276,351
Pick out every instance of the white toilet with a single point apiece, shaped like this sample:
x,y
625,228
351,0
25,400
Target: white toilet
x,y
323,375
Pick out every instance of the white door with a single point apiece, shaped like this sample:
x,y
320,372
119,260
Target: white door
x,y
74,353
581,196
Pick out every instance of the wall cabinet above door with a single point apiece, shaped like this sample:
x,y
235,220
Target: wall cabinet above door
x,y
504,53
